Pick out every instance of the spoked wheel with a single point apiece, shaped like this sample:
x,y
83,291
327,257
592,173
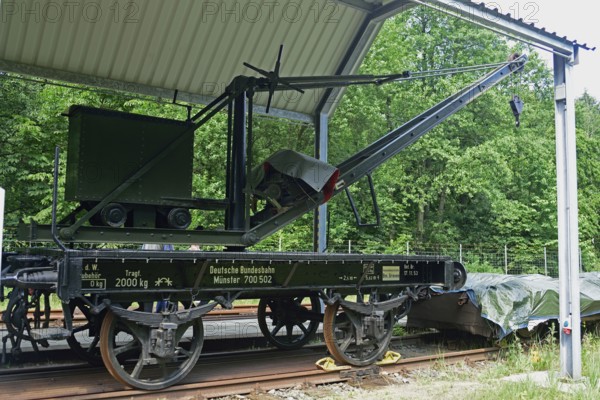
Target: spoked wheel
x,y
127,355
15,316
459,276
286,323
86,334
17,319
356,346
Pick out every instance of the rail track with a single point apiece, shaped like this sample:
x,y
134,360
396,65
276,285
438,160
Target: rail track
x,y
217,375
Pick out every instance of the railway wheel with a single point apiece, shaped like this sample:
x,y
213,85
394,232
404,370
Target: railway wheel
x,y
355,339
459,276
86,335
126,352
18,324
23,313
300,323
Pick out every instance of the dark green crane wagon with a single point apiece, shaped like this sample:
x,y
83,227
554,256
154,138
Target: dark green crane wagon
x,y
131,176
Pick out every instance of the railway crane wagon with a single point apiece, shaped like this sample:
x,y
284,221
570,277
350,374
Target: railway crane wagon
x,y
131,178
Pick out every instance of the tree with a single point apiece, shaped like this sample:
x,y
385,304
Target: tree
x,y
588,169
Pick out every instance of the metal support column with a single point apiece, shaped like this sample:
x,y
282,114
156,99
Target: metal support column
x,y
321,149
237,179
568,233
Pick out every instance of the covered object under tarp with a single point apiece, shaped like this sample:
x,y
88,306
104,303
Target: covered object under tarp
x,y
495,305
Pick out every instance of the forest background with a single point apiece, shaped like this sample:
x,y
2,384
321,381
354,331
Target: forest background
x,y
476,180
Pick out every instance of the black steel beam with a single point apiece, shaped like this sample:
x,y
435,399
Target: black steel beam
x,y
96,234
237,179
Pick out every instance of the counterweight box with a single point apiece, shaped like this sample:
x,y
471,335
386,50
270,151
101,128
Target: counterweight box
x,y
107,147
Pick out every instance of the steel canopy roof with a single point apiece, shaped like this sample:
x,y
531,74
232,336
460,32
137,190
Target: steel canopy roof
x,y
192,47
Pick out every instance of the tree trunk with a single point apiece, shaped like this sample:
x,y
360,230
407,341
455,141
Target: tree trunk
x,y
442,205
421,221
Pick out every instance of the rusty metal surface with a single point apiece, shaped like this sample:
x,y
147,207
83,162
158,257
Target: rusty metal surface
x,y
450,311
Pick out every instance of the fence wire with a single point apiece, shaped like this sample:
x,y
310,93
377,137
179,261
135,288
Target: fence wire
x,y
502,260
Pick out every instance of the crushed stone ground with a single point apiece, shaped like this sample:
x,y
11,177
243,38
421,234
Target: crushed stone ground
x,y
417,384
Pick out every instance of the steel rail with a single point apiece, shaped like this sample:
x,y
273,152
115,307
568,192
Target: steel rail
x,y
269,380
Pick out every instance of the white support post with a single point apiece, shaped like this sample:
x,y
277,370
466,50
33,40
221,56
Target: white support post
x,y
545,261
1,225
505,259
460,253
568,225
349,246
407,248
320,215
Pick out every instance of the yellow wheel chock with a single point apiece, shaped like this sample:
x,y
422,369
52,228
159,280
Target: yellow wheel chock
x,y
328,364
391,357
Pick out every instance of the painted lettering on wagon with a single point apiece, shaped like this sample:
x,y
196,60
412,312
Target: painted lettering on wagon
x,y
91,278
132,280
246,275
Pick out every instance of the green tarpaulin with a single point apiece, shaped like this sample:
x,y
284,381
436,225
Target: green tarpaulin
x,y
523,301
496,305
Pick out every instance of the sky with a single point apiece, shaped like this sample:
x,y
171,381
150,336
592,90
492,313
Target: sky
x,y
578,20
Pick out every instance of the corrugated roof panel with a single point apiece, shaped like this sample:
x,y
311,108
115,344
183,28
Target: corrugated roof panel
x,y
108,54
157,47
226,49
38,32
32,34
194,46
78,56
101,45
183,50
172,39
318,58
130,37
191,45
15,39
62,49
150,14
52,32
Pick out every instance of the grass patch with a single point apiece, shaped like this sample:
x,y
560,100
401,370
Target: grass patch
x,y
542,355
399,330
485,380
521,391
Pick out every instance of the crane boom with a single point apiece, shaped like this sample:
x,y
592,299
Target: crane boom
x,y
365,161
